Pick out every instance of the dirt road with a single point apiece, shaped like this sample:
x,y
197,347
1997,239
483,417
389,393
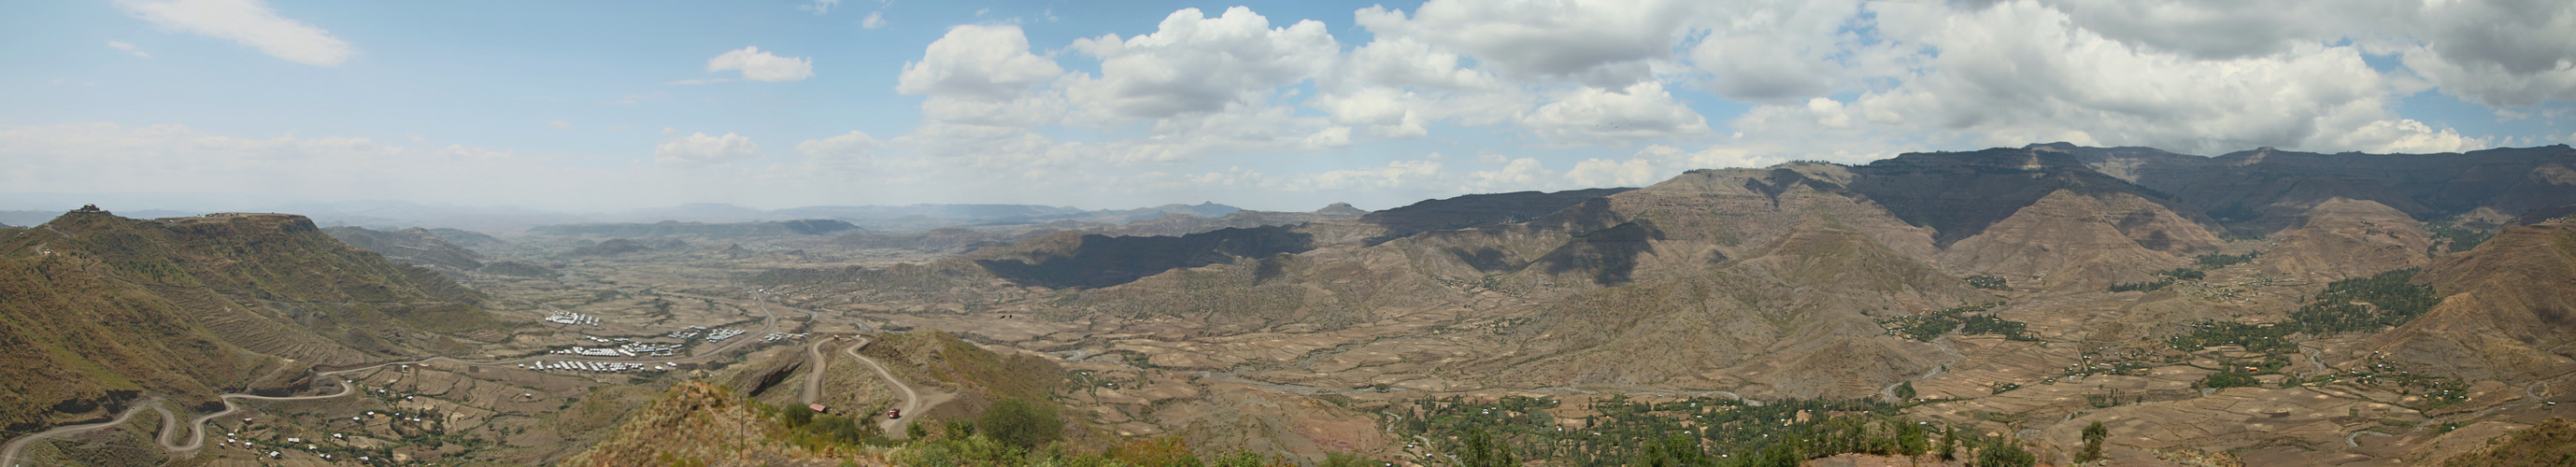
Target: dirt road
x,y
197,426
893,428
9,453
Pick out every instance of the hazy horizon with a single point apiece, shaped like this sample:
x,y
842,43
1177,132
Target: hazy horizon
x,y
1283,106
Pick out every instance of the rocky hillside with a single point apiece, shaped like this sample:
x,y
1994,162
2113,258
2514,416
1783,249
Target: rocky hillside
x,y
1971,277
100,308
2507,311
1784,267
414,246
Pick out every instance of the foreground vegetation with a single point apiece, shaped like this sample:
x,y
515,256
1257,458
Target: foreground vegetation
x,y
1699,431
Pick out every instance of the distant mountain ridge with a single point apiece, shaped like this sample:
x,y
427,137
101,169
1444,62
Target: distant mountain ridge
x,y
677,228
1806,256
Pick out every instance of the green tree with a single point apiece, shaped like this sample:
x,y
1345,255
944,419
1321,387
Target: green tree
x,y
2093,436
798,418
1905,391
1482,450
1239,459
2005,453
1018,422
1676,451
1909,438
1949,443
1344,459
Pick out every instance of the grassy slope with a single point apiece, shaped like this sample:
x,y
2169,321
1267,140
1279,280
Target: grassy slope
x,y
96,308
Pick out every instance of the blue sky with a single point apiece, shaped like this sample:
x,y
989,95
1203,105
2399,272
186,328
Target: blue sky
x,y
614,105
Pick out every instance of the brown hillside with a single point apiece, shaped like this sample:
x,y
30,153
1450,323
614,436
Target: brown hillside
x,y
415,246
99,308
2342,238
2508,310
2082,241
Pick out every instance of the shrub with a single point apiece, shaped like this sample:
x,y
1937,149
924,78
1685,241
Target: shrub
x,y
2005,453
2219,261
1988,281
1018,422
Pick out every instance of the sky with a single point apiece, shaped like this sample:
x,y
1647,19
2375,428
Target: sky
x,y
599,105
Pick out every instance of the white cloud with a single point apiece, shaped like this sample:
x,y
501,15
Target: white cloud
x,y
1779,51
853,145
875,19
2020,72
1394,175
1405,61
2499,53
248,22
820,6
2405,136
984,62
1196,64
1642,111
668,130
1520,174
698,149
128,48
1605,43
761,66
559,125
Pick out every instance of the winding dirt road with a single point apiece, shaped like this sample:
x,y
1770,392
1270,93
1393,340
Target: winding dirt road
x,y
9,453
814,377
893,428
197,426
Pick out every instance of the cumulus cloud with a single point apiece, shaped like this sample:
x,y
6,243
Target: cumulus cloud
x,y
763,66
248,22
1641,111
1603,42
2405,136
698,149
2499,53
984,62
2019,72
128,48
875,19
1197,64
1779,51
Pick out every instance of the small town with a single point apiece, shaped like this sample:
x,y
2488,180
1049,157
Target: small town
x,y
566,317
601,367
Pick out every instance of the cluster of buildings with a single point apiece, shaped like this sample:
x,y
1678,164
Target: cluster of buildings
x,y
720,335
648,348
629,349
566,317
775,336
692,331
594,352
602,367
231,440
